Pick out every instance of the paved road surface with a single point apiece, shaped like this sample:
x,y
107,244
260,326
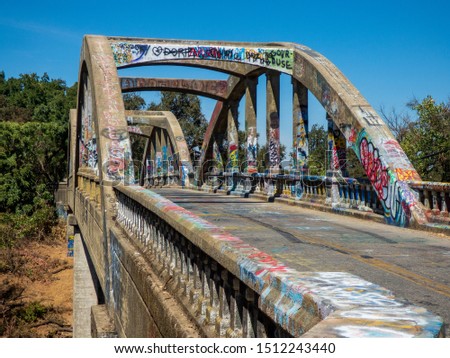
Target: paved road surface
x,y
415,265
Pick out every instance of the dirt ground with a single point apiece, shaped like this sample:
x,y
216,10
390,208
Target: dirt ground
x,y
36,298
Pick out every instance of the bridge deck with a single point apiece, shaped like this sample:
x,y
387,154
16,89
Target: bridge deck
x,y
413,264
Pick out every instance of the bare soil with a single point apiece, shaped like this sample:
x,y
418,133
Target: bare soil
x,y
36,294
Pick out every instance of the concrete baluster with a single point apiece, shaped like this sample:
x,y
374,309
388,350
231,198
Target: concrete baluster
x,y
188,267
251,313
444,208
223,318
213,307
205,274
195,291
435,210
236,307
426,202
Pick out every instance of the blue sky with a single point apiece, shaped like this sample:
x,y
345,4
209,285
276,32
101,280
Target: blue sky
x,y
390,50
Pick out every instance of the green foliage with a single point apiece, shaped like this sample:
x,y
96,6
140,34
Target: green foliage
x,y
34,115
32,312
32,156
134,102
187,109
33,98
317,141
427,143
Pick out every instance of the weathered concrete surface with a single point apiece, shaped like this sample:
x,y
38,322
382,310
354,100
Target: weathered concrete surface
x,y
216,89
413,264
102,325
143,306
84,295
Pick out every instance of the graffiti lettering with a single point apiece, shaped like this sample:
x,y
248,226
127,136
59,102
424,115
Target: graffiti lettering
x,y
130,53
395,196
213,87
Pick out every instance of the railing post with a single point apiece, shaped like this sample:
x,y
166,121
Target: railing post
x,y
444,209
223,318
435,210
236,309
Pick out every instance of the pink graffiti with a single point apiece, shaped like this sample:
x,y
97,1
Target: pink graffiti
x,y
376,172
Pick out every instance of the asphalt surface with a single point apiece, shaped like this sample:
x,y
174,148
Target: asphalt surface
x,y
414,265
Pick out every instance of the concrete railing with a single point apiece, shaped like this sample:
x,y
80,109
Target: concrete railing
x,y
435,197
350,192
232,289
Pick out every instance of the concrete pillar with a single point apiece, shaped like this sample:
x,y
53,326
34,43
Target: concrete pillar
x,y
273,119
158,152
250,125
164,149
144,165
331,147
233,141
300,125
84,294
337,146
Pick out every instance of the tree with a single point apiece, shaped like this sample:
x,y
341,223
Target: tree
x,y
34,119
399,124
134,102
427,142
34,116
317,160
187,109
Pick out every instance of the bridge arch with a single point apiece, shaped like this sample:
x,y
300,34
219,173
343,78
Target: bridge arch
x,y
151,255
380,154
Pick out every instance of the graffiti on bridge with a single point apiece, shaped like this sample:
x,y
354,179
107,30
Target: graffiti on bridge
x,y
395,196
218,88
126,53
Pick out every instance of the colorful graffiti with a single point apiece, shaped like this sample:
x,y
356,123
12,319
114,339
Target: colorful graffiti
x,y
117,161
70,246
395,196
274,141
405,174
252,150
301,139
339,304
159,166
233,155
126,53
88,140
337,147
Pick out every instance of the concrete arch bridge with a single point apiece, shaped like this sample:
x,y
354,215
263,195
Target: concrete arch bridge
x,y
178,247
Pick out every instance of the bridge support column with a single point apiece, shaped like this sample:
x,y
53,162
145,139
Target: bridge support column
x,y
300,125
233,145
333,169
337,146
250,125
273,120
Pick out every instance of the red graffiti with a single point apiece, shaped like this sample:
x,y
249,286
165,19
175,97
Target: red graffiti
x,y
375,170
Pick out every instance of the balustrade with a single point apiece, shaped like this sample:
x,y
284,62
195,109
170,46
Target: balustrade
x,y
217,298
434,196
